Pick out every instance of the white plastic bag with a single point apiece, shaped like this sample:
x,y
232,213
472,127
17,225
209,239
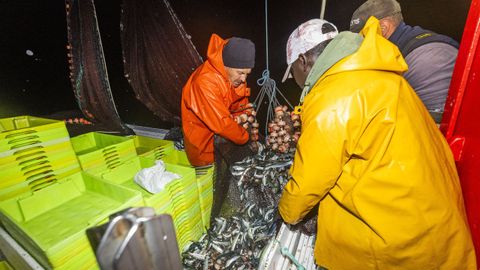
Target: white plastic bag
x,y
154,179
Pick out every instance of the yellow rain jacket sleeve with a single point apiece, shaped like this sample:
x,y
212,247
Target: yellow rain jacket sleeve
x,y
383,175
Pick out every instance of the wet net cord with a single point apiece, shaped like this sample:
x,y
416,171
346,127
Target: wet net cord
x,y
268,85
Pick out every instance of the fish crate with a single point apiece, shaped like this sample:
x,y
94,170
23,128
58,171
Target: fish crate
x,y
31,152
152,148
17,179
34,152
178,157
35,166
31,170
23,131
204,177
4,265
99,152
50,223
179,198
205,191
288,244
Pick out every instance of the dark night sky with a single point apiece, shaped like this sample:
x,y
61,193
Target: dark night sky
x,y
33,68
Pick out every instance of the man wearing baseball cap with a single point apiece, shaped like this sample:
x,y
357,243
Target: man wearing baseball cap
x,y
430,56
371,157
213,95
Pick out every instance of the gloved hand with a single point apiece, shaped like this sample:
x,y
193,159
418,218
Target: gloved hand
x,y
308,225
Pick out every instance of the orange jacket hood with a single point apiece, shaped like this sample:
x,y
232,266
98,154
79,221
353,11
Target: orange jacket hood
x,y
214,54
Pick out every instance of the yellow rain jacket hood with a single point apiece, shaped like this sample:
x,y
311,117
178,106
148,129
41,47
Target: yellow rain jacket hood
x,y
383,175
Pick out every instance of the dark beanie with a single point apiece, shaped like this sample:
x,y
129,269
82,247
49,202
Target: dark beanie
x,y
239,53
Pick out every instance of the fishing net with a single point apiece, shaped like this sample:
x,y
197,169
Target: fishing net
x,y
226,194
246,174
158,55
88,70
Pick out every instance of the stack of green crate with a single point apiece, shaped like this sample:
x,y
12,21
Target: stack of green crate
x,y
204,177
179,198
50,223
155,149
205,193
178,157
34,153
187,212
152,148
46,202
99,152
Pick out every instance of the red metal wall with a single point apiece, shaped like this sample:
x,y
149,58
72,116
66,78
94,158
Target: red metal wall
x,y
460,123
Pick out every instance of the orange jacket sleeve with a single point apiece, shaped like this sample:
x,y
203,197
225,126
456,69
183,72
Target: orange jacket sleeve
x,y
207,104
239,106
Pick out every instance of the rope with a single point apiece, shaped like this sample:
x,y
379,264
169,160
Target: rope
x,y
268,86
322,10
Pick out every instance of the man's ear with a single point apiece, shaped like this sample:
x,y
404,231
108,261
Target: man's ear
x,y
387,27
303,62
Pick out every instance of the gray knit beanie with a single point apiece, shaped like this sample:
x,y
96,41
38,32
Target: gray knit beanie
x,y
239,53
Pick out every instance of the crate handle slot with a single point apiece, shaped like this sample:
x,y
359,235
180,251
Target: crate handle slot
x,y
33,148
38,159
39,171
44,182
24,144
114,165
26,138
109,149
34,154
27,168
110,155
46,177
159,152
111,160
26,132
159,156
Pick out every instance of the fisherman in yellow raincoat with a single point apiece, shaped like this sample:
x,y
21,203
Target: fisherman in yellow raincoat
x,y
372,158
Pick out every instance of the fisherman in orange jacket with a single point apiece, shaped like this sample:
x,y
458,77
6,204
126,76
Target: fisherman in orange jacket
x,y
214,94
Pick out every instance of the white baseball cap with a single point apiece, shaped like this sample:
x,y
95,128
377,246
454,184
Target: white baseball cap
x,y
308,35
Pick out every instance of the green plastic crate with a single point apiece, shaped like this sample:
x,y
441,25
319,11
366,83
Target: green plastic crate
x,y
151,148
33,169
24,154
177,157
4,265
205,190
179,198
40,181
22,131
98,152
50,223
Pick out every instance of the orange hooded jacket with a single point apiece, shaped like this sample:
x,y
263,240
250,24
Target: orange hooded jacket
x,y
209,104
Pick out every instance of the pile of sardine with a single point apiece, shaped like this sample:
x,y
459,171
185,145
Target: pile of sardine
x,y
233,243
262,177
238,241
283,131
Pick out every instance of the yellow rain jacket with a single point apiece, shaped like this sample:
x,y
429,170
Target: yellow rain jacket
x,y
383,175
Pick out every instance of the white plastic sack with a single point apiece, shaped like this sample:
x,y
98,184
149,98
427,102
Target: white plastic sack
x,y
154,179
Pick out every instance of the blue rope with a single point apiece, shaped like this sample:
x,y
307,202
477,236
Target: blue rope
x,y
266,33
265,78
268,85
